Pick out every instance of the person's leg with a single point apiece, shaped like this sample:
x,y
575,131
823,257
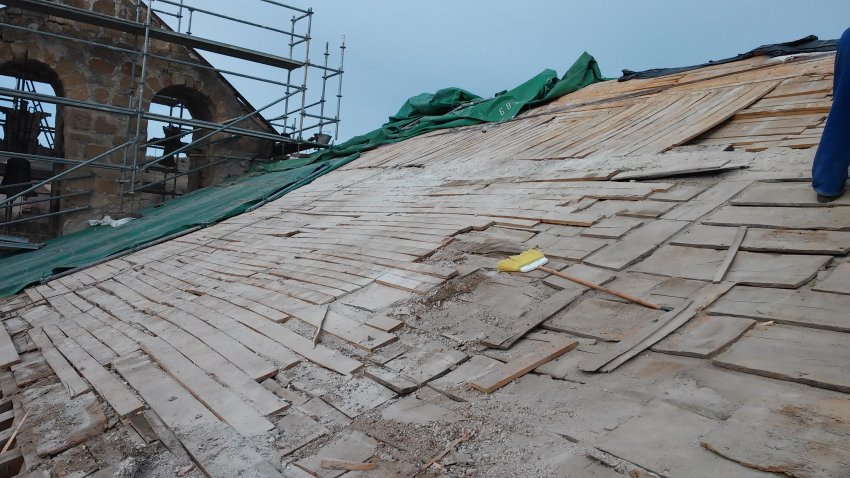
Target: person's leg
x,y
829,171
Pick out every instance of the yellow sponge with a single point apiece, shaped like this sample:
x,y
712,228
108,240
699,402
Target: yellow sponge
x,y
527,261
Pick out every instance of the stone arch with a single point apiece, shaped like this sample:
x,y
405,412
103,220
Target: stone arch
x,y
179,102
24,123
37,71
199,105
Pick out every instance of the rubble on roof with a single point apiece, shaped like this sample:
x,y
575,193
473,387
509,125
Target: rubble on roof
x,y
424,348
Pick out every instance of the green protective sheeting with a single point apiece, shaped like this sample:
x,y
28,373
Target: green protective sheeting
x,y
447,108
454,107
201,207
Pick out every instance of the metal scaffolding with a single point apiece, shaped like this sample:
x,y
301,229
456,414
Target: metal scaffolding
x,y
298,113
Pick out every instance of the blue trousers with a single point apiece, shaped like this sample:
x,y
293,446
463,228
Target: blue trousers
x,y
829,171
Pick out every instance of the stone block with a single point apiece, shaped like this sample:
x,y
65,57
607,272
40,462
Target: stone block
x,y
5,52
20,51
93,149
102,95
101,67
107,7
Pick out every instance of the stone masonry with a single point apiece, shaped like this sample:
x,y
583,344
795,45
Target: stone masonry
x,y
85,72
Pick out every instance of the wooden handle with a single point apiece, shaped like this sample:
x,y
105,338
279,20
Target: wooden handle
x,y
15,433
630,298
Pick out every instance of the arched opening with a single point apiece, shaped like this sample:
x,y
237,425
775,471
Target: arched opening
x,y
182,172
30,128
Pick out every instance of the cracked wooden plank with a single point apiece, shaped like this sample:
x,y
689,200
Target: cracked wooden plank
x,y
810,356
837,282
664,439
74,384
635,245
813,430
828,218
704,336
799,307
8,353
602,319
350,445
784,194
748,268
650,335
696,166
504,338
679,193
107,385
767,240
184,414
506,373
426,362
707,201
613,227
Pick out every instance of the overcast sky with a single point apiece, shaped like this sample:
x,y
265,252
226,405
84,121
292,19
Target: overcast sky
x,y
397,48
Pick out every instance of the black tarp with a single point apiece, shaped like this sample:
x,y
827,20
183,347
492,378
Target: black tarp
x,y
809,44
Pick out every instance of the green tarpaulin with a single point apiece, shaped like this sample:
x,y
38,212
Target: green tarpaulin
x,y
454,107
447,108
201,207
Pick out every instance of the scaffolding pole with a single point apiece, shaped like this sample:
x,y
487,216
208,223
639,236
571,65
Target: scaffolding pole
x,y
223,127
339,88
147,27
126,160
9,199
140,105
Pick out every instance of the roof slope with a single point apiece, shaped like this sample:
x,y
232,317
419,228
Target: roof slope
x,y
393,257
